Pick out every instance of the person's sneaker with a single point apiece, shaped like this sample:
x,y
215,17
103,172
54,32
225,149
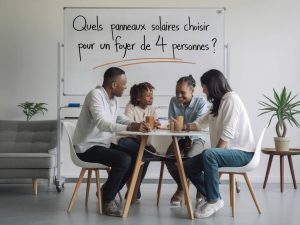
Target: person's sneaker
x,y
177,198
118,203
200,200
209,209
110,208
139,195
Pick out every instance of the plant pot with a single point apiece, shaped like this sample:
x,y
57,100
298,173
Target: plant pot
x,y
282,144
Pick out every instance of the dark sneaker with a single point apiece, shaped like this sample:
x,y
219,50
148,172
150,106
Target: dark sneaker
x,y
110,208
177,198
138,195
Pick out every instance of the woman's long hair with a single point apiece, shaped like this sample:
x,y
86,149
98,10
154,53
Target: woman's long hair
x,y
217,86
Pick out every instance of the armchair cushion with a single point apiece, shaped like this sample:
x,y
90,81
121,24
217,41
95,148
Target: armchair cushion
x,y
26,160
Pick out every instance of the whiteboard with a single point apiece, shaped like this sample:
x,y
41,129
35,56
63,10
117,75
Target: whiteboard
x,y
157,45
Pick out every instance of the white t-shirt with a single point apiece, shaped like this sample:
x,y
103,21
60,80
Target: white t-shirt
x,y
232,124
138,114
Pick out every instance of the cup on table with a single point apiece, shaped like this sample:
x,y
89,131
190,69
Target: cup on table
x,y
151,121
179,125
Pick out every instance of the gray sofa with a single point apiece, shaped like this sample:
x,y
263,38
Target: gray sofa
x,y
28,150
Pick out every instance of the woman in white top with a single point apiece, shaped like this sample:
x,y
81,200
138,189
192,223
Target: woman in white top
x,y
232,141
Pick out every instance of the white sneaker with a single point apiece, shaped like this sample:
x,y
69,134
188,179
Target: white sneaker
x,y
200,201
209,209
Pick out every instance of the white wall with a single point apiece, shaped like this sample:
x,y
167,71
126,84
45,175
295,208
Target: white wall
x,y
263,36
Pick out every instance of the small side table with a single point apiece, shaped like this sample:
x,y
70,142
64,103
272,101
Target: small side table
x,y
271,152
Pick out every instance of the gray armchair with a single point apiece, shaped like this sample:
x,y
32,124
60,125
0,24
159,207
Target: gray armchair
x,y
28,150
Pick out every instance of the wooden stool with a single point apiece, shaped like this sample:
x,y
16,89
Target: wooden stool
x,y
271,152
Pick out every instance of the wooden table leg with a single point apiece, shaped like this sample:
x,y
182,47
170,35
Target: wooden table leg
x,y
281,172
161,174
137,185
182,177
292,171
268,171
134,176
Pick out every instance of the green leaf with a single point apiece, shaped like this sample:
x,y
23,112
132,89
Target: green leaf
x,y
284,106
30,109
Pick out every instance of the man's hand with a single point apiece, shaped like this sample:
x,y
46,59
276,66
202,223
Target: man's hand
x,y
140,127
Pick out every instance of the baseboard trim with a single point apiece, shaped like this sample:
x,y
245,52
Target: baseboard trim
x,y
103,180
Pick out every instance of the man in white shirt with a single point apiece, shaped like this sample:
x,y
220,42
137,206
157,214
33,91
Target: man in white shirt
x,y
98,122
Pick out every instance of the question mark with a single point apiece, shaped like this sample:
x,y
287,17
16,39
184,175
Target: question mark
x,y
214,40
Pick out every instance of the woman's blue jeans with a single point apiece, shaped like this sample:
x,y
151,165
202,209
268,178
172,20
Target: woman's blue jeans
x,y
203,172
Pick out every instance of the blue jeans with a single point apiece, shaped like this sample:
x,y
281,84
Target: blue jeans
x,y
172,165
203,172
197,148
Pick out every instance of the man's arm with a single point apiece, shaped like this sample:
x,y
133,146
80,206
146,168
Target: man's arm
x,y
96,105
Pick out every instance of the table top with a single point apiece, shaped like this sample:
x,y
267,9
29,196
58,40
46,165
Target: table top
x,y
272,151
160,132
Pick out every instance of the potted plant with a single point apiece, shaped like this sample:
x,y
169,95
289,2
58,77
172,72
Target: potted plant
x,y
30,109
283,107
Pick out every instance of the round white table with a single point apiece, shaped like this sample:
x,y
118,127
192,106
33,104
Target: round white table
x,y
144,137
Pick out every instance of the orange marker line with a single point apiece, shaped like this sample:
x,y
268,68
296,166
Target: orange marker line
x,y
135,63
126,60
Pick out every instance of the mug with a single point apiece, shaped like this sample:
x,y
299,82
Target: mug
x,y
151,121
179,125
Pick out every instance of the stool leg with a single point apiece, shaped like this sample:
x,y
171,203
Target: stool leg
x,y
292,171
281,172
268,171
35,185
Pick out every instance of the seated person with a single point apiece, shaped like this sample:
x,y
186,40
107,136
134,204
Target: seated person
x,y
231,138
96,125
140,106
191,107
